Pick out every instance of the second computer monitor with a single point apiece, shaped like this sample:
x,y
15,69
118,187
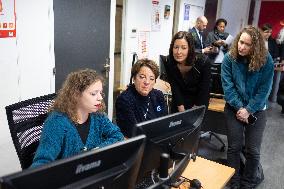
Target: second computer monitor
x,y
175,134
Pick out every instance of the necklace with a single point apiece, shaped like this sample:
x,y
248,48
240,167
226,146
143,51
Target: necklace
x,y
145,115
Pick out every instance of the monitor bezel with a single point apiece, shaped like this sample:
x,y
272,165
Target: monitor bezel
x,y
153,141
12,180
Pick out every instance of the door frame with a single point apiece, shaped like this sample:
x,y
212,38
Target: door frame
x,y
111,58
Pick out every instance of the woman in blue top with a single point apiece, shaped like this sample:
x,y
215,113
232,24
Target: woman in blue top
x,y
76,122
246,73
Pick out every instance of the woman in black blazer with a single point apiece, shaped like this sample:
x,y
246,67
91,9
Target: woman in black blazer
x,y
188,73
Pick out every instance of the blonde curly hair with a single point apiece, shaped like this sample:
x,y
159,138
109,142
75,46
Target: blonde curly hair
x,y
258,51
73,87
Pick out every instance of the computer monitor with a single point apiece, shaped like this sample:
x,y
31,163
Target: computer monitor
x,y
175,134
114,166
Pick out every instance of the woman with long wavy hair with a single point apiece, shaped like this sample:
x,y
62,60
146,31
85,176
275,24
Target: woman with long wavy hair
x,y
247,73
76,122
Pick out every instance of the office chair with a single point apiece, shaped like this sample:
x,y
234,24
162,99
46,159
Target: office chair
x,y
163,77
25,120
216,91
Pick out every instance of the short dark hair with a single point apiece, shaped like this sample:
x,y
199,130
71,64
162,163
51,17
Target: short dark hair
x,y
218,21
191,49
145,62
266,27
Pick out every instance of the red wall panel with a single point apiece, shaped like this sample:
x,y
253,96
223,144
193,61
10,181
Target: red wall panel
x,y
272,12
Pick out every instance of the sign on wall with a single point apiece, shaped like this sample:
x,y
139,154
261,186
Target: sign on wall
x,y
143,44
7,18
156,16
186,12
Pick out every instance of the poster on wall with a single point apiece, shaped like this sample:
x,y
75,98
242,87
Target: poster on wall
x,y
156,16
7,19
167,12
143,44
190,13
186,11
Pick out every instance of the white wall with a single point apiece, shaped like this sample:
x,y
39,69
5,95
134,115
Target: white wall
x,y
138,15
236,13
26,67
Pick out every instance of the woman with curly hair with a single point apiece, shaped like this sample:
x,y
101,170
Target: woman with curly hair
x,y
76,122
187,72
246,73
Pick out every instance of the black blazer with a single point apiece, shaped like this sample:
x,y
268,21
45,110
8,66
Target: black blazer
x,y
197,42
273,48
194,88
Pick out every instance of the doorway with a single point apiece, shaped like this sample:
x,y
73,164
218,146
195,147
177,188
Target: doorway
x,y
117,53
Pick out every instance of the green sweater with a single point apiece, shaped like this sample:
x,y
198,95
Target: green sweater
x,y
60,138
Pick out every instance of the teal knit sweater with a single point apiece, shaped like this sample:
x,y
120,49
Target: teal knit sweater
x,y
243,88
60,138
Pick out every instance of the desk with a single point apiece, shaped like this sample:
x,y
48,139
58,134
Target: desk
x,y
216,104
212,175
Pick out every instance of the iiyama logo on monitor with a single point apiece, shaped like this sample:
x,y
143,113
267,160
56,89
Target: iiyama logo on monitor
x,y
82,168
175,123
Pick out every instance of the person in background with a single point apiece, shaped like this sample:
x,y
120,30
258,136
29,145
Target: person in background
x,y
140,101
76,122
198,35
269,42
246,73
280,95
273,49
216,39
280,42
187,72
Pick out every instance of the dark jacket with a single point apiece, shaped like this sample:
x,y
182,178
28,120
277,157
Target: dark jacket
x,y
273,48
131,108
280,93
197,42
194,88
212,37
281,51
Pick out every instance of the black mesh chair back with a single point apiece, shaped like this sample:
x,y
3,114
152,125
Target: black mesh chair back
x,y
216,84
25,120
